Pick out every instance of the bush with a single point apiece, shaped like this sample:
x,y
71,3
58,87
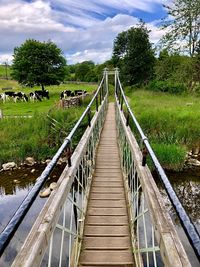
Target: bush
x,y
167,87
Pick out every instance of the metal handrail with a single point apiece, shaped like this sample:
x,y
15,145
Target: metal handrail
x,y
188,226
12,226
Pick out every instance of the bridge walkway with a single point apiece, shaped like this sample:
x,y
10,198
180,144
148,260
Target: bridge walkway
x,y
106,240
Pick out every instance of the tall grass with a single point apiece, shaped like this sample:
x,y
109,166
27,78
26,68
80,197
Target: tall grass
x,y
172,123
35,136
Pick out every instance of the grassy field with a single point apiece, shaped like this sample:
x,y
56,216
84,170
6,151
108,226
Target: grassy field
x,y
172,123
3,71
28,108
35,136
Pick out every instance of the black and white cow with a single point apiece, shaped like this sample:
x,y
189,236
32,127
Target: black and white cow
x,y
80,92
15,96
65,94
3,97
42,93
20,96
34,97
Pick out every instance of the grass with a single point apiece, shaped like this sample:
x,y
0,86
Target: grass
x,y
35,136
172,123
3,71
28,108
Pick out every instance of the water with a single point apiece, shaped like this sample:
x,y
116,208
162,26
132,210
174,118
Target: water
x,y
15,185
187,187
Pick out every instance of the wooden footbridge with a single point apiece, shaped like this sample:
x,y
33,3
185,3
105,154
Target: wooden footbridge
x,y
106,209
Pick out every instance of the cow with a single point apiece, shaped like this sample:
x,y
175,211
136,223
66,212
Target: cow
x,y
65,94
3,97
42,93
16,96
34,97
20,96
80,92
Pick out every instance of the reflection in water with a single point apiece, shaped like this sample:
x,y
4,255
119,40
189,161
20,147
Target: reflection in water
x,y
14,187
187,188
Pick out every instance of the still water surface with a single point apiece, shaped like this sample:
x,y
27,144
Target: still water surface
x,y
15,185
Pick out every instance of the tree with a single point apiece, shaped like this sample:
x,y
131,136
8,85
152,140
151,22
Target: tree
x,y
83,69
174,68
38,63
183,27
133,54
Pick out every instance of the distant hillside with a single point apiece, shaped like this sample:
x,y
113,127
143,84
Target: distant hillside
x,y
4,71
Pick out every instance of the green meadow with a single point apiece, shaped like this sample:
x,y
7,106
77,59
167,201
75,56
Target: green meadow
x,y
35,136
171,123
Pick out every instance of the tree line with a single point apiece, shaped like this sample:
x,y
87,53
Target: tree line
x,y
176,68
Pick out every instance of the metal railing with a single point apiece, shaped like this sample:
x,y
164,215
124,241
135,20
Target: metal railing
x,y
135,186
79,170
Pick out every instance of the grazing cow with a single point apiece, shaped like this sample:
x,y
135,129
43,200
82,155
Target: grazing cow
x,y
34,97
42,93
20,96
64,94
80,92
16,96
3,97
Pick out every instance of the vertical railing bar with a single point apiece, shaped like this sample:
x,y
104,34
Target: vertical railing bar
x,y
70,227
145,232
50,250
62,237
153,245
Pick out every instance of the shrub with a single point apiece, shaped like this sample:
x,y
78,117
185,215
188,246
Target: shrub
x,y
167,87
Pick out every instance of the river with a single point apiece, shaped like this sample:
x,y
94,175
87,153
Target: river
x,y
14,186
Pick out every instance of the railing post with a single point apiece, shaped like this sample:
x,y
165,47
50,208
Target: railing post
x,y
89,117
97,103
127,119
69,153
100,95
144,156
122,101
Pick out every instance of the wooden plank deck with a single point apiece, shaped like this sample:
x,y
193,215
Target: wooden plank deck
x,y
106,240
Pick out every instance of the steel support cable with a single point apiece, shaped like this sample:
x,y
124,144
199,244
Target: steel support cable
x,y
12,226
187,224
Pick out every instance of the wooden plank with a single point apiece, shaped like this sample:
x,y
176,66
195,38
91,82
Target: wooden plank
x,y
106,225
106,204
107,196
107,211
109,242
101,231
110,258
106,220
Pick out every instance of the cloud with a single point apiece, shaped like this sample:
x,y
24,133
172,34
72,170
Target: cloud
x,y
84,30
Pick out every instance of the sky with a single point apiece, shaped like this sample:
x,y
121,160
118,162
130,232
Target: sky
x,y
83,29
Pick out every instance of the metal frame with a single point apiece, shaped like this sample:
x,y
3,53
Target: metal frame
x,y
189,228
154,238
19,215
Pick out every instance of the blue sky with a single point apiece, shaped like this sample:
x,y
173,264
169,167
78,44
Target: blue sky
x,y
83,29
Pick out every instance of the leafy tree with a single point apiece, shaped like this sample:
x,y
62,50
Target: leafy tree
x,y
183,27
37,63
83,69
133,54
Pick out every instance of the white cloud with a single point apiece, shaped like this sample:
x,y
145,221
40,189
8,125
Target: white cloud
x,y
78,32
